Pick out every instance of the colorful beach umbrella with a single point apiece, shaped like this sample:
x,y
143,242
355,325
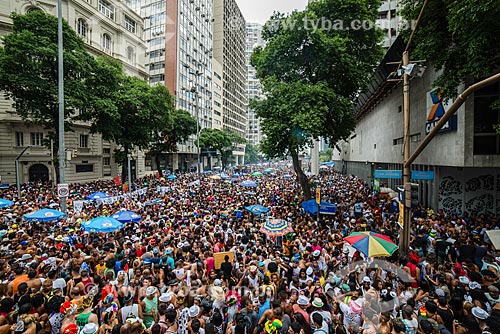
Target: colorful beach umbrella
x,y
102,224
371,244
5,203
276,227
44,215
124,216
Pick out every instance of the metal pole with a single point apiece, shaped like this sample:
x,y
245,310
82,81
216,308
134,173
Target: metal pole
x,y
17,180
60,69
198,133
129,173
405,237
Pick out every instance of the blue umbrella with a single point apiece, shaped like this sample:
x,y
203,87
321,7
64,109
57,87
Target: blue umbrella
x,y
287,176
5,203
153,202
236,174
44,215
326,208
172,177
97,195
224,176
207,172
102,224
328,164
268,170
127,217
248,183
257,209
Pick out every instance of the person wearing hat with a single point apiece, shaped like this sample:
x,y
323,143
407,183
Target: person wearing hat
x,y
301,307
169,262
493,295
481,316
130,309
149,307
317,305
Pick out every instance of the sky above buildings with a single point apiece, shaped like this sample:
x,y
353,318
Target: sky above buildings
x,y
260,10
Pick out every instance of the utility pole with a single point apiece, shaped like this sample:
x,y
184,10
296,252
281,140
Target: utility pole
x,y
404,240
60,97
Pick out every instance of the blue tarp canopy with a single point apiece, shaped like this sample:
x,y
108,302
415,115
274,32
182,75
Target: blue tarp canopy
x,y
257,209
97,195
311,207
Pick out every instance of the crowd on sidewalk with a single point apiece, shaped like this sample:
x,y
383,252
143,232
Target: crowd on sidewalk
x,y
163,276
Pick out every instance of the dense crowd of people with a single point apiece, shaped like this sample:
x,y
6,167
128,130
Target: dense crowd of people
x,y
165,275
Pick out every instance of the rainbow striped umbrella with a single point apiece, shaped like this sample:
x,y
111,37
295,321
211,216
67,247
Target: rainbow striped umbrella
x,y
371,244
276,227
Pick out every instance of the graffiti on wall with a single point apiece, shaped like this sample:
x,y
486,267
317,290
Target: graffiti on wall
x,y
469,190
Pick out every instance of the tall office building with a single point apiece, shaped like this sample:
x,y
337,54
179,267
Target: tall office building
x,y
254,39
229,36
179,38
389,21
107,27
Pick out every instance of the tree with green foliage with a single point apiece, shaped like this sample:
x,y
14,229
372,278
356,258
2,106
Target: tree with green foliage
x,y
251,154
168,135
459,38
221,141
29,74
311,77
326,155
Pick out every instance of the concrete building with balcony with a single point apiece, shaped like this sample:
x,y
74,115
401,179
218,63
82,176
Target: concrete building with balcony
x,y
178,34
254,39
229,36
107,27
463,159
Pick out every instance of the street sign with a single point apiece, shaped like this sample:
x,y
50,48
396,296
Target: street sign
x,y
4,186
422,175
63,190
401,220
388,174
318,196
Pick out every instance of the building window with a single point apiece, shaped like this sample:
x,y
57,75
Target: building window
x,y
106,42
19,139
106,161
131,55
84,141
156,78
33,9
130,24
106,151
36,139
486,140
82,28
107,9
87,168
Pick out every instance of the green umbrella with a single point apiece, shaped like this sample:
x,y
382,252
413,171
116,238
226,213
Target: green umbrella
x,y
259,174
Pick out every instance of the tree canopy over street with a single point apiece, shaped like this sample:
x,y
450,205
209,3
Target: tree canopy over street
x,y
311,77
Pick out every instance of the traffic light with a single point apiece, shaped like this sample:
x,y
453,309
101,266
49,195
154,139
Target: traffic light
x,y
75,153
414,195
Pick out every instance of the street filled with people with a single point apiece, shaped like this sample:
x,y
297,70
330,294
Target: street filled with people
x,y
240,254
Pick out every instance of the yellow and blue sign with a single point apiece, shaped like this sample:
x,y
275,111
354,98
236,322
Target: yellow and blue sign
x,y
436,110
